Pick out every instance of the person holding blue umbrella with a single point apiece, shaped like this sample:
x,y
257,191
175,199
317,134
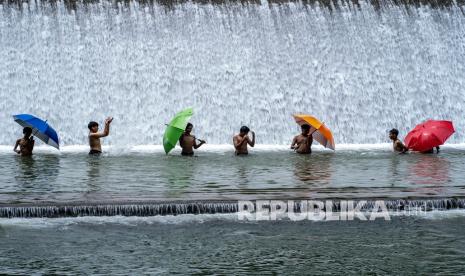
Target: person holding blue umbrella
x,y
34,126
25,144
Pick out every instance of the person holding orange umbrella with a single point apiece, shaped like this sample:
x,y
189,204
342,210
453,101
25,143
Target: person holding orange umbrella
x,y
316,131
302,143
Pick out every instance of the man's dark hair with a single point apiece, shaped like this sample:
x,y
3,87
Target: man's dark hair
x,y
27,130
394,131
244,129
189,125
92,124
305,127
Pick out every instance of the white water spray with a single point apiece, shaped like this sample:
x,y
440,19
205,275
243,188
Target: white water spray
x,y
360,70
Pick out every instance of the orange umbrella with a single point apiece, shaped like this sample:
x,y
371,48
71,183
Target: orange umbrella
x,y
318,129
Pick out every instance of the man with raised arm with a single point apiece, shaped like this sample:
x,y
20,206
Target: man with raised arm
x,y
241,140
95,135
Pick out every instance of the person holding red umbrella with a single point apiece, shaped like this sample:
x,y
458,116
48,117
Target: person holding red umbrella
x,y
396,142
429,135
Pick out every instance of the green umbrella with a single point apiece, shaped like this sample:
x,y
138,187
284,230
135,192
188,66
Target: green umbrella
x,y
176,128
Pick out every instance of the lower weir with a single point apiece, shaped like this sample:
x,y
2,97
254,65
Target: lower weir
x,y
207,207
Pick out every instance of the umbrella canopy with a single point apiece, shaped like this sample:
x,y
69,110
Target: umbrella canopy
x,y
319,131
429,135
176,128
40,129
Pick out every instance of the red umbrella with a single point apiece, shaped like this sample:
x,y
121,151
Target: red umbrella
x,y
429,135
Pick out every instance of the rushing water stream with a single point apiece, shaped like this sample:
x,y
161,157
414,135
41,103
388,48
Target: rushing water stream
x,y
362,68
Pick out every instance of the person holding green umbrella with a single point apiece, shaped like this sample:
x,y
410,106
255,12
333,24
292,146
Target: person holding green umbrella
x,y
179,127
188,142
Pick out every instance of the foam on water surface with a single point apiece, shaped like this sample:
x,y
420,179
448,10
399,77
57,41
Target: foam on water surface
x,y
130,221
220,148
189,218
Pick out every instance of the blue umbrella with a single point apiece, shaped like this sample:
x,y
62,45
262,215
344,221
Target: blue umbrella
x,y
40,129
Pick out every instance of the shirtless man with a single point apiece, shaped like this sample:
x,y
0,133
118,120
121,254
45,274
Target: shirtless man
x,y
188,142
398,146
302,143
25,144
241,140
94,135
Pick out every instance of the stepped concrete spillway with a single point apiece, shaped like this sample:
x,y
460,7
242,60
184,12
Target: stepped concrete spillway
x,y
206,207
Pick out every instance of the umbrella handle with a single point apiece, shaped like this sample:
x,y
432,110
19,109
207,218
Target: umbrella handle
x,y
195,138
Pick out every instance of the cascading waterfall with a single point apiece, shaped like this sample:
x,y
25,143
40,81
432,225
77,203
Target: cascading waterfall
x,y
160,209
363,67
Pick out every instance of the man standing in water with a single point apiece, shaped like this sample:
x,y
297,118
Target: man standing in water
x,y
302,143
25,144
188,142
94,135
241,140
398,146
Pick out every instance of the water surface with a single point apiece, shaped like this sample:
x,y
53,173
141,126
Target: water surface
x,y
280,174
221,245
